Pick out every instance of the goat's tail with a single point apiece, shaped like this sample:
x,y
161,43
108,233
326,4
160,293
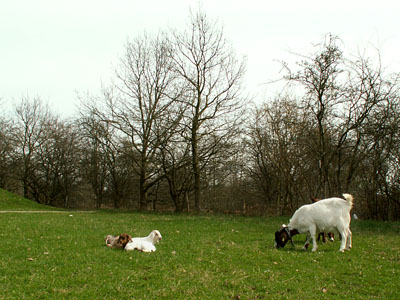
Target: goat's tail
x,y
349,198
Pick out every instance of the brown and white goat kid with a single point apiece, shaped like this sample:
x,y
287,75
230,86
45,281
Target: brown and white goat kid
x,y
118,241
327,215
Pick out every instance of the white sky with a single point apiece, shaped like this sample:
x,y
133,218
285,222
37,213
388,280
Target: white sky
x,y
53,48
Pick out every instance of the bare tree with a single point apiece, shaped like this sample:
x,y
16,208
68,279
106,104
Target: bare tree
x,y
349,132
57,163
318,76
281,165
175,160
373,122
204,59
6,149
29,134
142,105
94,159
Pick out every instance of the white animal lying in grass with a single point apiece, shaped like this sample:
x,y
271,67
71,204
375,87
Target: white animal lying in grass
x,y
145,244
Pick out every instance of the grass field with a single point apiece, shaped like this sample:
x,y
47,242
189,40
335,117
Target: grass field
x,y
63,256
10,201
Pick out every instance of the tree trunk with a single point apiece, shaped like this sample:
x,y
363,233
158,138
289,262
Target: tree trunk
x,y
187,201
143,192
196,167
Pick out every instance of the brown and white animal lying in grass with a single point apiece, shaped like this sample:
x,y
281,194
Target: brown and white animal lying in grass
x,y
327,215
145,244
118,241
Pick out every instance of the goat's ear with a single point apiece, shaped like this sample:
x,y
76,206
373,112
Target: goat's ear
x,y
284,225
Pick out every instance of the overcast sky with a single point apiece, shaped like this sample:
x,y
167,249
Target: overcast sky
x,y
54,48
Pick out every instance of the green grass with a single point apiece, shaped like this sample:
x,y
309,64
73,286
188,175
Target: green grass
x,y
59,256
10,201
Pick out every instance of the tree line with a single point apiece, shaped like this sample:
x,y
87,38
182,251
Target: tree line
x,y
174,131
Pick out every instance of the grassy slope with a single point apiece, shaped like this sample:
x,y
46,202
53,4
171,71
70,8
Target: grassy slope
x,y
63,256
10,201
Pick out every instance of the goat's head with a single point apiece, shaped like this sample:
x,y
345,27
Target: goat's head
x,y
109,239
284,235
124,239
155,236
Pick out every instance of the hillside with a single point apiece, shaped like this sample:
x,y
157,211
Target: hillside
x,y
10,201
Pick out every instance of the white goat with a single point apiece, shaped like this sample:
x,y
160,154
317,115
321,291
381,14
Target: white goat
x,y
145,244
327,215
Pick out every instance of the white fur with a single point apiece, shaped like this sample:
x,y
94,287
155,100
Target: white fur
x,y
145,244
328,215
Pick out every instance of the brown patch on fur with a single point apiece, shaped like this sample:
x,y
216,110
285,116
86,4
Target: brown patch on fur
x,y
124,239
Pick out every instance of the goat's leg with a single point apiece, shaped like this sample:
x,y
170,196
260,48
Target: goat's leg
x,y
331,236
349,238
343,233
313,231
307,243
